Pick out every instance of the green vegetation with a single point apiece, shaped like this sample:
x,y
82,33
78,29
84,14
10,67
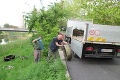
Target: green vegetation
x,y
100,11
4,35
0,32
46,22
25,68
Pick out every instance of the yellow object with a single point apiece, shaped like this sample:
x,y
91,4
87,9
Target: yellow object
x,y
96,39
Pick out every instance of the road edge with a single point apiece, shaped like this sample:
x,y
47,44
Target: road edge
x,y
64,62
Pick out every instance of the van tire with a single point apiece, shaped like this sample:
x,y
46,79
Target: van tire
x,y
83,55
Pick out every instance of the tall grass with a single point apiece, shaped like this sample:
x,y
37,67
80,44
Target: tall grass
x,y
26,69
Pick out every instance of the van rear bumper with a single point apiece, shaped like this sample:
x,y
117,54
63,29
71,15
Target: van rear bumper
x,y
99,50
100,56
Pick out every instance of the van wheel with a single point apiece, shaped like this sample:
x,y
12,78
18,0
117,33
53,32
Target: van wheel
x,y
67,52
83,55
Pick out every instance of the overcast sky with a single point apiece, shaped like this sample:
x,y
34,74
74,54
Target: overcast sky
x,y
11,10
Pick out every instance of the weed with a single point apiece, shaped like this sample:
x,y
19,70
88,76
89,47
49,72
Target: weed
x,y
26,69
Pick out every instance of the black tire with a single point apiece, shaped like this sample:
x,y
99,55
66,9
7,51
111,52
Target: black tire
x,y
83,55
68,53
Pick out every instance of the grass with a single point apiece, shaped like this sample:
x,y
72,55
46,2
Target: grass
x,y
26,69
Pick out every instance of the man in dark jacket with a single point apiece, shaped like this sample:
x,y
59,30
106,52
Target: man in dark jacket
x,y
53,47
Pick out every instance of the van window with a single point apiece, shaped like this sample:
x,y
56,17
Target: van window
x,y
77,32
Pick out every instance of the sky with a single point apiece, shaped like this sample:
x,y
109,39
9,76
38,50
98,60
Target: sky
x,y
11,11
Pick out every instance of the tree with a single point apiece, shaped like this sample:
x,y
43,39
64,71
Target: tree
x,y
105,12
101,11
6,25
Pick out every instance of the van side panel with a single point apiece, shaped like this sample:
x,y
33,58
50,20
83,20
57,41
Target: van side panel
x,y
104,33
77,47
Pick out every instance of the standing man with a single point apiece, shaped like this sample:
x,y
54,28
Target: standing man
x,y
37,49
53,47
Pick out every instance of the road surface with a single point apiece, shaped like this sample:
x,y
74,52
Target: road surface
x,y
94,69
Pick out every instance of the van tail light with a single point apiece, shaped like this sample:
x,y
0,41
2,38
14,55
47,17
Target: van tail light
x,y
89,48
118,50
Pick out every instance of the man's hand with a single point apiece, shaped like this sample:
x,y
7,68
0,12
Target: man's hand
x,y
33,41
58,44
61,45
65,42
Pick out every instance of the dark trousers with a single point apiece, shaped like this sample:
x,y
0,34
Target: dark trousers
x,y
50,53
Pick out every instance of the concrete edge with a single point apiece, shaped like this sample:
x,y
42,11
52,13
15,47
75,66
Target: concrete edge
x,y
64,62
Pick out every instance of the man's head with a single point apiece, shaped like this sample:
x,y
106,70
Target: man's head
x,y
59,33
59,37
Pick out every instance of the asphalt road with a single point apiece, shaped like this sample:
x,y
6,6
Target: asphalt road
x,y
94,69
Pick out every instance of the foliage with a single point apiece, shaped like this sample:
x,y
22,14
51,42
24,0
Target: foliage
x,y
0,32
26,69
46,19
47,22
6,25
105,12
101,11
75,8
4,36
5,49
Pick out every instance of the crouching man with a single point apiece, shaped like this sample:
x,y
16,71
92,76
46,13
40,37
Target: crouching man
x,y
53,47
